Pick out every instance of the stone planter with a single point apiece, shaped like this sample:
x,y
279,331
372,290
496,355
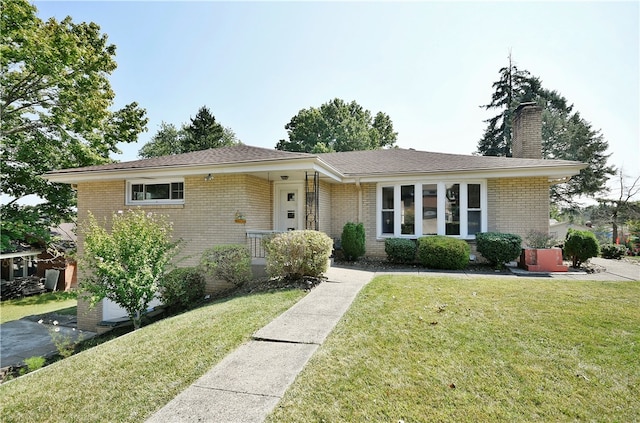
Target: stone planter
x,y
542,260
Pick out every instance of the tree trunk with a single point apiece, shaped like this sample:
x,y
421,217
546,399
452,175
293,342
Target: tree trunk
x,y
137,319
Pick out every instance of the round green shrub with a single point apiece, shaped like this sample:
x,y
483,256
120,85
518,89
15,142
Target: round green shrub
x,y
353,241
230,263
498,248
613,251
441,252
296,254
182,287
580,246
400,250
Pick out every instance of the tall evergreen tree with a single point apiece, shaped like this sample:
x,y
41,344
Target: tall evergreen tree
x,y
515,86
203,133
565,134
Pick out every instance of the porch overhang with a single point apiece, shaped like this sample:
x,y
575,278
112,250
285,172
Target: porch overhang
x,y
264,169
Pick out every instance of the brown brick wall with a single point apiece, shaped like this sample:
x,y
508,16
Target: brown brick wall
x,y
518,205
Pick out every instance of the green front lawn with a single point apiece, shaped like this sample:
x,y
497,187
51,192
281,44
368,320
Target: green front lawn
x,y
60,302
130,377
420,349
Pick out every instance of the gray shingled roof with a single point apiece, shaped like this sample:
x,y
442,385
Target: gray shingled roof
x,y
393,161
397,160
217,156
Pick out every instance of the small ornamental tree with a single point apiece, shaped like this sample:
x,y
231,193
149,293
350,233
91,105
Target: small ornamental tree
x,y
127,264
580,246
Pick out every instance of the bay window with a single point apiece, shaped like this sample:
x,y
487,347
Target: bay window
x,y
412,210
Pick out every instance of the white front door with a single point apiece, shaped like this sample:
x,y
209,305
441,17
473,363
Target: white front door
x,y
288,214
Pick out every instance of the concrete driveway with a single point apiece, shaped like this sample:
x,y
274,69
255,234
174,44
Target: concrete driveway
x,y
24,338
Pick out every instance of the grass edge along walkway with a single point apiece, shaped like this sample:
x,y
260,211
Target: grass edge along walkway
x,y
418,349
129,378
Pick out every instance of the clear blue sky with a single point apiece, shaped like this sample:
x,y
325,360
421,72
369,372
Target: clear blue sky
x,y
428,65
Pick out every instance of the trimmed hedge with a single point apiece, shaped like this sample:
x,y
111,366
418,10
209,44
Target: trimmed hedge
x,y
580,246
613,251
441,252
499,248
182,288
400,250
296,254
352,241
230,263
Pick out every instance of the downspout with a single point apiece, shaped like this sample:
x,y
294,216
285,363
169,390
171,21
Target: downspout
x,y
359,200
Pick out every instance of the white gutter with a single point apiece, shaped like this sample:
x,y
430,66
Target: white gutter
x,y
552,172
73,177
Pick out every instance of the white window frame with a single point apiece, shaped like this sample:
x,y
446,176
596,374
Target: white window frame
x,y
441,204
131,202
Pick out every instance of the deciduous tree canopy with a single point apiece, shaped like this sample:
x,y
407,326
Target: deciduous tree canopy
x,y
55,110
338,126
565,134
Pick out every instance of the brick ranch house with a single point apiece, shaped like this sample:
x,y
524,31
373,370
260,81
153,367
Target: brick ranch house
x,y
393,192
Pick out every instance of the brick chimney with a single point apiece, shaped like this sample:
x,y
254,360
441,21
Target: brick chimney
x,y
526,140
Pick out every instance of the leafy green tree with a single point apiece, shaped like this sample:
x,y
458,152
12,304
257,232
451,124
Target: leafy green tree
x,y
126,265
165,142
565,134
338,126
203,133
55,113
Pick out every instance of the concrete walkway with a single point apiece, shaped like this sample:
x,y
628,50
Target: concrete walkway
x,y
247,384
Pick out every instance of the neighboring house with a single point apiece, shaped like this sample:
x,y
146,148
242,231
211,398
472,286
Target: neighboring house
x,y
393,192
60,255
32,260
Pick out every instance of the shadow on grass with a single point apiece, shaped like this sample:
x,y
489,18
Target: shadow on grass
x,y
254,287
